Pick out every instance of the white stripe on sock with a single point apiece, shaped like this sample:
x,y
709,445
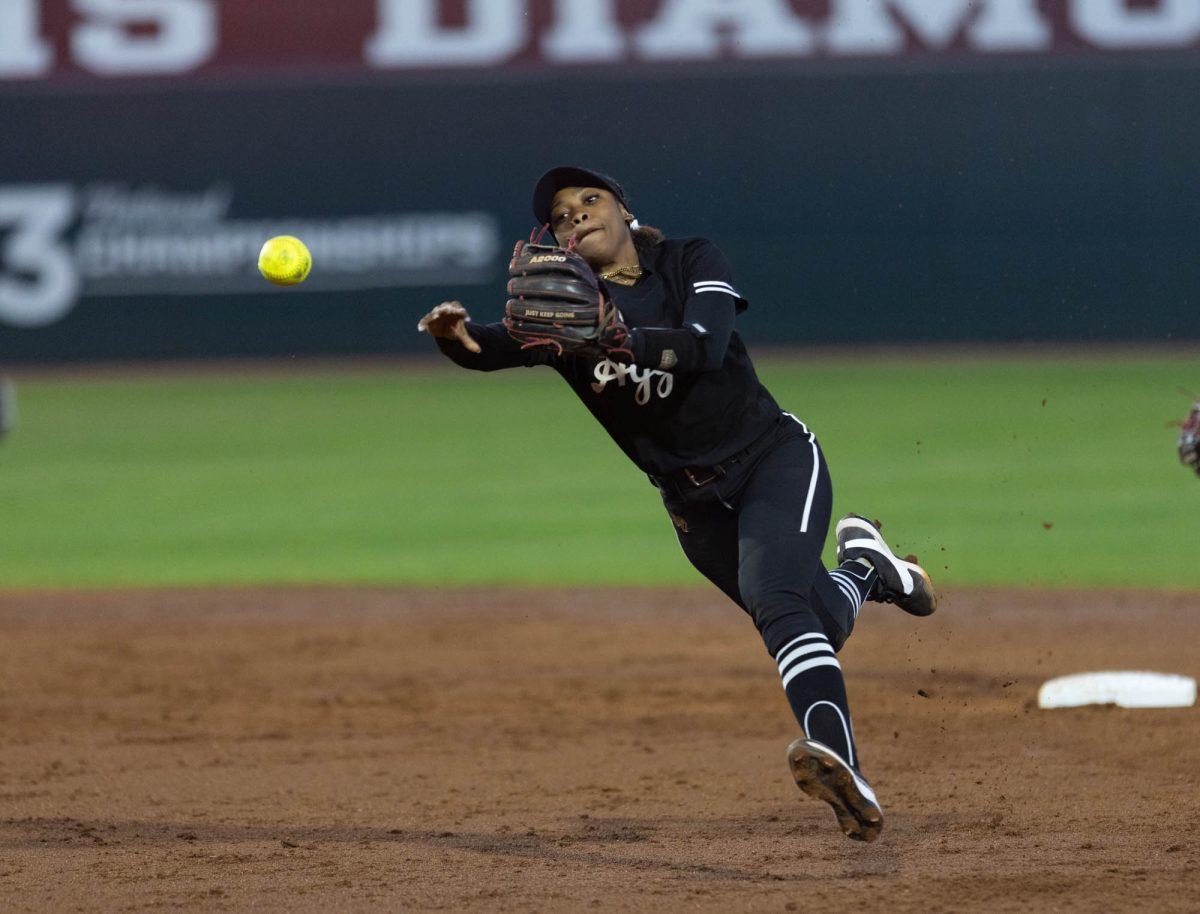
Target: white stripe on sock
x,y
855,606
850,593
850,596
806,637
809,665
801,651
848,581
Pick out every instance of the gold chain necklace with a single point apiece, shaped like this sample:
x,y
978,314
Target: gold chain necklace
x,y
625,276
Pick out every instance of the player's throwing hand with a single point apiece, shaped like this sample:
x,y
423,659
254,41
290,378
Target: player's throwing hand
x,y
449,322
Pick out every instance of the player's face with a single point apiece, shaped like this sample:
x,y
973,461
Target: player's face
x,y
594,218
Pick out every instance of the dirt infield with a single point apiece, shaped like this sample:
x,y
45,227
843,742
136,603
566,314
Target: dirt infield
x,y
317,750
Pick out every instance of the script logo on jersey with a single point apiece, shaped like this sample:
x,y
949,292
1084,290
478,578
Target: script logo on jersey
x,y
643,379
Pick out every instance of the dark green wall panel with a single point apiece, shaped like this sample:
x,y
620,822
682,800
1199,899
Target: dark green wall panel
x,y
980,204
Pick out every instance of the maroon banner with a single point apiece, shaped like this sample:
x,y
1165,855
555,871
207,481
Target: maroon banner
x,y
53,39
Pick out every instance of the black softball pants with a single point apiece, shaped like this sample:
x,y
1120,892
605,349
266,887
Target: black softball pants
x,y
758,536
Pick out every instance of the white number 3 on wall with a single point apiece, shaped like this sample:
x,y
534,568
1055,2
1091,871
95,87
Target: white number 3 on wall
x,y
39,282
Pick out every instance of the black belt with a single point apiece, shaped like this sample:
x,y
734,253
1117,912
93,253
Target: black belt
x,y
699,477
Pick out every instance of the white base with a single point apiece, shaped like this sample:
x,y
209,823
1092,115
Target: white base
x,y
1125,689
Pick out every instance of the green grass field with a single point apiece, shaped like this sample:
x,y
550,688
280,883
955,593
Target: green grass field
x,y
432,476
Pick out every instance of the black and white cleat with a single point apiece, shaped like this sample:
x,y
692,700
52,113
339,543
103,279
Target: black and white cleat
x,y
822,773
902,582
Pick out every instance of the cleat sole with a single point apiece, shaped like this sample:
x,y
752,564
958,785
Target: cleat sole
x,y
823,777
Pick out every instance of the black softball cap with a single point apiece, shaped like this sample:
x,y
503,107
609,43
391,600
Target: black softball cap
x,y
556,179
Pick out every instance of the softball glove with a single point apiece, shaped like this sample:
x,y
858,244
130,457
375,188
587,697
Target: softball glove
x,y
558,303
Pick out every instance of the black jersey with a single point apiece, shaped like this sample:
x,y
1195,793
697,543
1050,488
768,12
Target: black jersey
x,y
691,398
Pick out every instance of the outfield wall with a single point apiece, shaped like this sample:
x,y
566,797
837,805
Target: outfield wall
x,y
913,197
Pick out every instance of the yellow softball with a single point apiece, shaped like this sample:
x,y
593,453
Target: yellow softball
x,y
284,260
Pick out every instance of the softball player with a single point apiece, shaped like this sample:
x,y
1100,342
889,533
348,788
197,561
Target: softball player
x,y
744,482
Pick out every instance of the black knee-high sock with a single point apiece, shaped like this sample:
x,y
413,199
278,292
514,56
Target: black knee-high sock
x,y
812,679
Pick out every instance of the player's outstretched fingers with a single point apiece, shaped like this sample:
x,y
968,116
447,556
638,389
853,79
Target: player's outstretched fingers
x,y
432,322
449,321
